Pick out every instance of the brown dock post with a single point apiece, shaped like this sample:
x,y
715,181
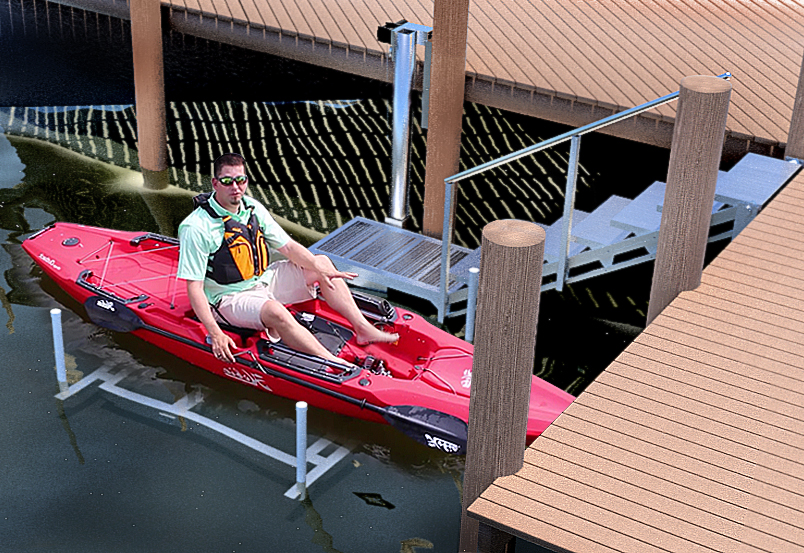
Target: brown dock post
x,y
149,90
447,88
700,127
505,342
795,137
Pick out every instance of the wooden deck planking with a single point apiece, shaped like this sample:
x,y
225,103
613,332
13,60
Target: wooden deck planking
x,y
652,525
669,380
685,440
702,413
761,325
238,13
563,507
713,420
526,54
254,16
686,520
739,338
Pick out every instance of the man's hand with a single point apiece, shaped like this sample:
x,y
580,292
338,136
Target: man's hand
x,y
327,272
222,346
323,268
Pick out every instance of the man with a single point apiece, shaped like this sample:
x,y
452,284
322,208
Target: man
x,y
224,255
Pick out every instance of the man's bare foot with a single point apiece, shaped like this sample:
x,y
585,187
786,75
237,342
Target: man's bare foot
x,y
372,335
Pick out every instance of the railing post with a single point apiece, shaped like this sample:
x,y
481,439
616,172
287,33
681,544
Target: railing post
x,y
301,449
471,303
569,206
446,238
691,179
502,370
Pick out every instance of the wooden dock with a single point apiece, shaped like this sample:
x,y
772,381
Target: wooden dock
x,y
570,62
693,438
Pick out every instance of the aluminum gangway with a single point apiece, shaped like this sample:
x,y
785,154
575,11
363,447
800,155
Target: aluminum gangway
x,y
619,233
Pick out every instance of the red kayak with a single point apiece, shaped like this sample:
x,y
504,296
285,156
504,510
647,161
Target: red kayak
x,y
420,385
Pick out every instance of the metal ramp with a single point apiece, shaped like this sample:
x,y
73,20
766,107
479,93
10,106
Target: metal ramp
x,y
396,258
618,234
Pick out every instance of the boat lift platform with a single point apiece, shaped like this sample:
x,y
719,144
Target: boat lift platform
x,y
618,234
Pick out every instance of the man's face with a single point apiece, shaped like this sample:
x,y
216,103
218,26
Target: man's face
x,y
229,195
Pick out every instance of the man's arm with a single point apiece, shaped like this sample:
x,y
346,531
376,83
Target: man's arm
x,y
221,343
320,265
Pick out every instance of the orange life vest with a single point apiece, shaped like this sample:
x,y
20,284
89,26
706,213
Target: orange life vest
x,y
243,254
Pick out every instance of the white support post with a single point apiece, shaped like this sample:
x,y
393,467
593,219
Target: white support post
x,y
471,303
301,449
58,348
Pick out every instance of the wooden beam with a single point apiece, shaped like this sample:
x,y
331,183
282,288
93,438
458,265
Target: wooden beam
x,y
447,89
149,84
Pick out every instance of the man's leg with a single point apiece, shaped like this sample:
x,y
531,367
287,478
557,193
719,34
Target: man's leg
x,y
341,300
276,316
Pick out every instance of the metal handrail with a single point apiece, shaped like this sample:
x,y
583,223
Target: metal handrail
x,y
569,197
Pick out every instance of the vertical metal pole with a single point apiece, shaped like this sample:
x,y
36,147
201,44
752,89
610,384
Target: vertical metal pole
x,y
58,348
428,59
446,238
569,206
301,449
404,50
471,303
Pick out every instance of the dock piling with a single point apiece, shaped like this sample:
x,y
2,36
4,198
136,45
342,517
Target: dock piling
x,y
447,89
512,252
695,154
149,87
58,348
795,136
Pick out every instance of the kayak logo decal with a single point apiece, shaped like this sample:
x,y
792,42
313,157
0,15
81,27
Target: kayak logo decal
x,y
466,379
252,379
49,261
105,304
439,443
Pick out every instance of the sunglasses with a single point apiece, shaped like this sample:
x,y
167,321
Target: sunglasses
x,y
240,179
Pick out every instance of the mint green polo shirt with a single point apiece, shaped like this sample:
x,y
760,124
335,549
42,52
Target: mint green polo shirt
x,y
200,236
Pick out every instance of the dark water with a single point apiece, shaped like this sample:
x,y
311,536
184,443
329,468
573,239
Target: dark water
x,y
90,475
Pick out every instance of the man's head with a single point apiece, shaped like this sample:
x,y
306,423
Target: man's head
x,y
230,181
228,160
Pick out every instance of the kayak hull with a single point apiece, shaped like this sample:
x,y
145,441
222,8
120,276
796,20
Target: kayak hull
x,y
420,384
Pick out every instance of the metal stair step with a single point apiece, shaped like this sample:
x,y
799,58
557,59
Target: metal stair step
x,y
552,243
640,216
595,230
754,180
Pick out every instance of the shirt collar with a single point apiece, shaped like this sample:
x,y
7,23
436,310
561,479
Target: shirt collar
x,y
220,210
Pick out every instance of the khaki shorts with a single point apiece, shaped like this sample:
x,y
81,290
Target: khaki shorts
x,y
243,308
